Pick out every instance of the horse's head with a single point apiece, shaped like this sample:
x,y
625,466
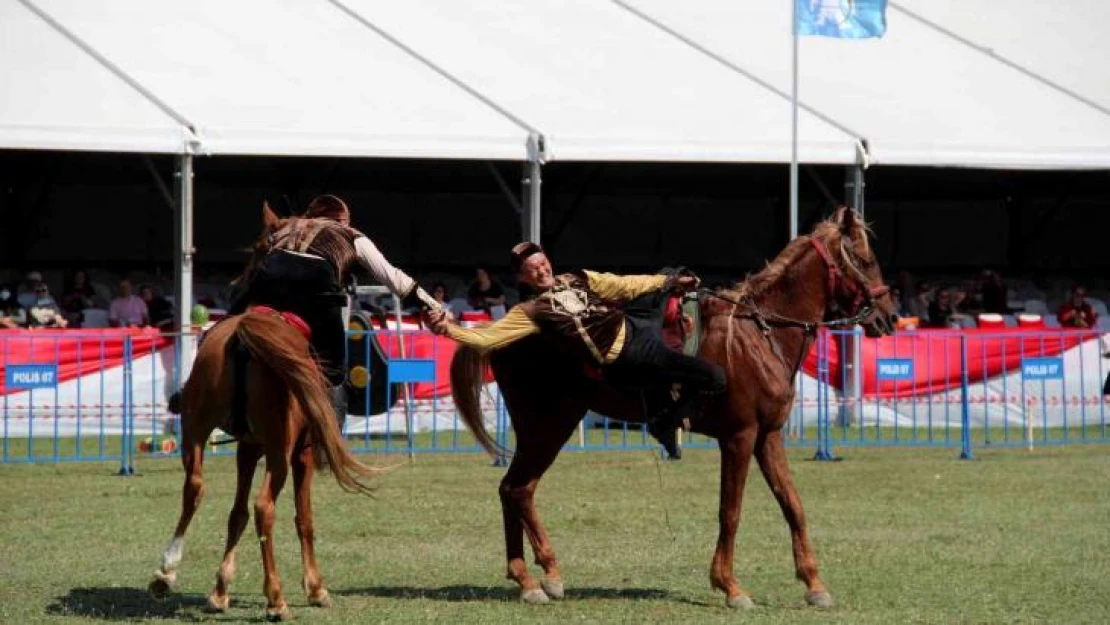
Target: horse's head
x,y
855,282
271,223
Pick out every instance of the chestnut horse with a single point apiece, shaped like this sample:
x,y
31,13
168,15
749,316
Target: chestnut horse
x,y
759,331
290,422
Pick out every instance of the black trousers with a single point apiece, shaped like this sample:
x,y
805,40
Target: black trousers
x,y
646,361
305,286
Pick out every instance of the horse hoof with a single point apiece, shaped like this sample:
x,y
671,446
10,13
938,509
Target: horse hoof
x,y
820,599
282,614
217,603
740,602
159,588
534,596
323,600
553,588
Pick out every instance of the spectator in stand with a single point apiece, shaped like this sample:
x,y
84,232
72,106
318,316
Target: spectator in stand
x,y
159,309
943,310
439,294
1076,312
26,295
45,312
12,315
78,296
484,293
127,310
917,305
994,295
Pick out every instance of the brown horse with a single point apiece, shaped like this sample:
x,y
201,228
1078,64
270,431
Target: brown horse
x,y
758,331
290,423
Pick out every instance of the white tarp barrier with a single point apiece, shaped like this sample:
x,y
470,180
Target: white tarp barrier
x,y
1074,401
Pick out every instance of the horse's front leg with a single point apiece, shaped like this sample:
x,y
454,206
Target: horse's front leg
x,y
304,467
771,455
736,456
246,461
277,468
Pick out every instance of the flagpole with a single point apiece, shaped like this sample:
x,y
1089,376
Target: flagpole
x,y
794,129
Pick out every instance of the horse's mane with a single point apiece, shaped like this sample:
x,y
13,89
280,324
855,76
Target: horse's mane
x,y
829,231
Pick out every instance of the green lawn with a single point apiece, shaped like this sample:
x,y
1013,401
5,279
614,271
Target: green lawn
x,y
902,536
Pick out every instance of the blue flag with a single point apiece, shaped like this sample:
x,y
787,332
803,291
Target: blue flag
x,y
844,19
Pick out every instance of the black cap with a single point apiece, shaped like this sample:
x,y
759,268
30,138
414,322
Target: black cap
x,y
521,252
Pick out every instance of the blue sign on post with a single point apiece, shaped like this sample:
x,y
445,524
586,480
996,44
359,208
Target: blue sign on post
x,y
31,376
895,369
1042,368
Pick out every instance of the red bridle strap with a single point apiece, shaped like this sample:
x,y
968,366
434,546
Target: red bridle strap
x,y
856,290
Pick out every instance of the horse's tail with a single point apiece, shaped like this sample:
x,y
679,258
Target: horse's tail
x,y
286,354
468,367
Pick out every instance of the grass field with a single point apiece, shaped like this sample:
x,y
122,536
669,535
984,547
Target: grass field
x,y
902,536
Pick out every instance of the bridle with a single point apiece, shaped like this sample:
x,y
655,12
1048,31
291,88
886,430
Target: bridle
x,y
854,287
861,294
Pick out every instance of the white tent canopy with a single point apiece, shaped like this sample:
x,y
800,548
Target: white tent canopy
x,y
603,85
953,83
1059,43
286,78
58,97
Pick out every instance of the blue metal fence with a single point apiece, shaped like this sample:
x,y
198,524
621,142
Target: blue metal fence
x,y
77,396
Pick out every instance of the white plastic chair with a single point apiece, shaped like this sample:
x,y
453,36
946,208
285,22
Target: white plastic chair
x,y
95,318
1037,307
1098,305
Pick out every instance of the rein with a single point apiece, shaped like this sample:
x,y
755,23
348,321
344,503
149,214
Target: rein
x,y
765,320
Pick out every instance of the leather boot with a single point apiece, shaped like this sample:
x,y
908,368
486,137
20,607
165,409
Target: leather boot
x,y
664,426
173,404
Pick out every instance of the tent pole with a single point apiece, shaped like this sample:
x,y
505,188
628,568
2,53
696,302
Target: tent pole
x,y
794,128
531,221
854,186
850,343
183,251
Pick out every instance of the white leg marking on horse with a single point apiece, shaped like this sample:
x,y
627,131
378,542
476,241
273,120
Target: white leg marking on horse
x,y
171,557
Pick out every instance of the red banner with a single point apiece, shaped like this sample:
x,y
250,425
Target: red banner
x,y
76,352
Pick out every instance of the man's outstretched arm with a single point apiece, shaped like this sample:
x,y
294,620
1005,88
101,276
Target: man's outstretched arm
x,y
511,328
397,281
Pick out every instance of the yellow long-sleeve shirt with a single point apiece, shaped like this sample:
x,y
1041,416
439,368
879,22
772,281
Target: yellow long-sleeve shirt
x,y
517,324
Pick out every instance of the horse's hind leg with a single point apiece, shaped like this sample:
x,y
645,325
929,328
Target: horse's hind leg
x,y
552,583
304,468
246,461
771,455
192,458
533,457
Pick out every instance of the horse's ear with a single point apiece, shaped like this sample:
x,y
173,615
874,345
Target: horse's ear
x,y
848,219
269,217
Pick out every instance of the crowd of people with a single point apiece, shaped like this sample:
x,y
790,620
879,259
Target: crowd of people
x,y
30,304
940,305
924,303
